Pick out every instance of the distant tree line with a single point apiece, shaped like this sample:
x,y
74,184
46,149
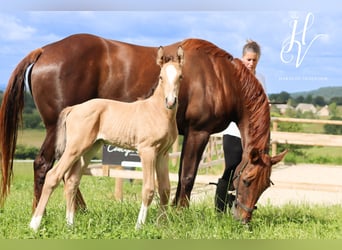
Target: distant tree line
x,y
32,120
285,97
31,117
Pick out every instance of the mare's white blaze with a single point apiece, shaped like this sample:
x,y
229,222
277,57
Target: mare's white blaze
x,y
35,222
142,216
171,74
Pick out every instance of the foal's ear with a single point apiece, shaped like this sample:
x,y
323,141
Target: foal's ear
x,y
160,56
180,55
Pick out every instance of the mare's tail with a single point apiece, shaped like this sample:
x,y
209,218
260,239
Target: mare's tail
x,y
10,118
61,132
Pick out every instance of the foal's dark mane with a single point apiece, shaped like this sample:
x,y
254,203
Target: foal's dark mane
x,y
256,103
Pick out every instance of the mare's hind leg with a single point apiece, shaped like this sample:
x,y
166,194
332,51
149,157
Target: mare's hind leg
x,y
148,160
193,146
43,163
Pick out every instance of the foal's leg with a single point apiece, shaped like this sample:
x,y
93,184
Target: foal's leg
x,y
43,163
162,170
72,181
53,178
148,161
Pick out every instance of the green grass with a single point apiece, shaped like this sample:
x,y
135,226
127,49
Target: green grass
x,y
313,155
31,137
109,219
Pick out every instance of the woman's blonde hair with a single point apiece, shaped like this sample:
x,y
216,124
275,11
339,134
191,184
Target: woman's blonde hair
x,y
251,46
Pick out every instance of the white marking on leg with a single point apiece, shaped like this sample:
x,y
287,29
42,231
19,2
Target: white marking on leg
x,y
70,218
142,216
35,222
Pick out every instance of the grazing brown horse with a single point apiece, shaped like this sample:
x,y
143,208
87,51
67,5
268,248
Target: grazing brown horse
x,y
214,91
148,126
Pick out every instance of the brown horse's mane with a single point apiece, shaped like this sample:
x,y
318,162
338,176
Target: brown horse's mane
x,y
255,99
256,103
205,46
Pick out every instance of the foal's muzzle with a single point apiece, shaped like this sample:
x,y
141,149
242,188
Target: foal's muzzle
x,y
170,104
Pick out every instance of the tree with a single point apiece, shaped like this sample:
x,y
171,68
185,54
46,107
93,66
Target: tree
x,y
299,99
333,129
308,99
282,97
333,109
319,100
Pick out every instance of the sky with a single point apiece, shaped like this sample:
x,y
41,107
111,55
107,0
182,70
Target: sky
x,y
301,43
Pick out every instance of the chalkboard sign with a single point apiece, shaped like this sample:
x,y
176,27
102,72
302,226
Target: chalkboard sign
x,y
113,155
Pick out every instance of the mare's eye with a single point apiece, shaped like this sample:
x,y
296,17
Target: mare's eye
x,y
246,182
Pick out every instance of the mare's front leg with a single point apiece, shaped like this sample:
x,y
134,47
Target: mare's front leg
x,y
43,163
193,146
148,161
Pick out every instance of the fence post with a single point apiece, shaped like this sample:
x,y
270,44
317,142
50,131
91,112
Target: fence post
x,y
274,143
118,187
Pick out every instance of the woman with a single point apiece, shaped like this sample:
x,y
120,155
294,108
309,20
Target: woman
x,y
232,147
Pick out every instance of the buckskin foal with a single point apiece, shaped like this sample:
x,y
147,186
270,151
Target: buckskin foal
x,y
148,125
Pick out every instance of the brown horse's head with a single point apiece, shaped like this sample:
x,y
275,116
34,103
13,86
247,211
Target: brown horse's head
x,y
252,178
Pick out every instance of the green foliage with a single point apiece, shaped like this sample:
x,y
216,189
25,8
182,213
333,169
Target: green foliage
x,y
25,152
32,120
333,129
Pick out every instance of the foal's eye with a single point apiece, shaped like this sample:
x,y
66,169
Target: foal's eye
x,y
160,78
181,77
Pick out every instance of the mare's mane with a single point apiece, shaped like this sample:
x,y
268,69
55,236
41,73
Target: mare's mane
x,y
205,46
255,99
256,103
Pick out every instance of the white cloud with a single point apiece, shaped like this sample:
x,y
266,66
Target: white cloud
x,y
24,31
12,29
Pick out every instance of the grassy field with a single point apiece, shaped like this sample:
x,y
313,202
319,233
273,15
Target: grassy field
x,y
31,137
109,219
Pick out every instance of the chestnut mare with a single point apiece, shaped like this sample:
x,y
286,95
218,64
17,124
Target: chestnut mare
x,y
148,126
214,91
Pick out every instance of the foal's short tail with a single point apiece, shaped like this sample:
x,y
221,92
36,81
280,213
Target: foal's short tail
x,y
61,132
10,118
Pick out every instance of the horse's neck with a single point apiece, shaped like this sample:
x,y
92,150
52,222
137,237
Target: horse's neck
x,y
254,125
157,101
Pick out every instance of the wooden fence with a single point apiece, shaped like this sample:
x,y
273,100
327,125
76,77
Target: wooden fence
x,y
310,139
213,154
